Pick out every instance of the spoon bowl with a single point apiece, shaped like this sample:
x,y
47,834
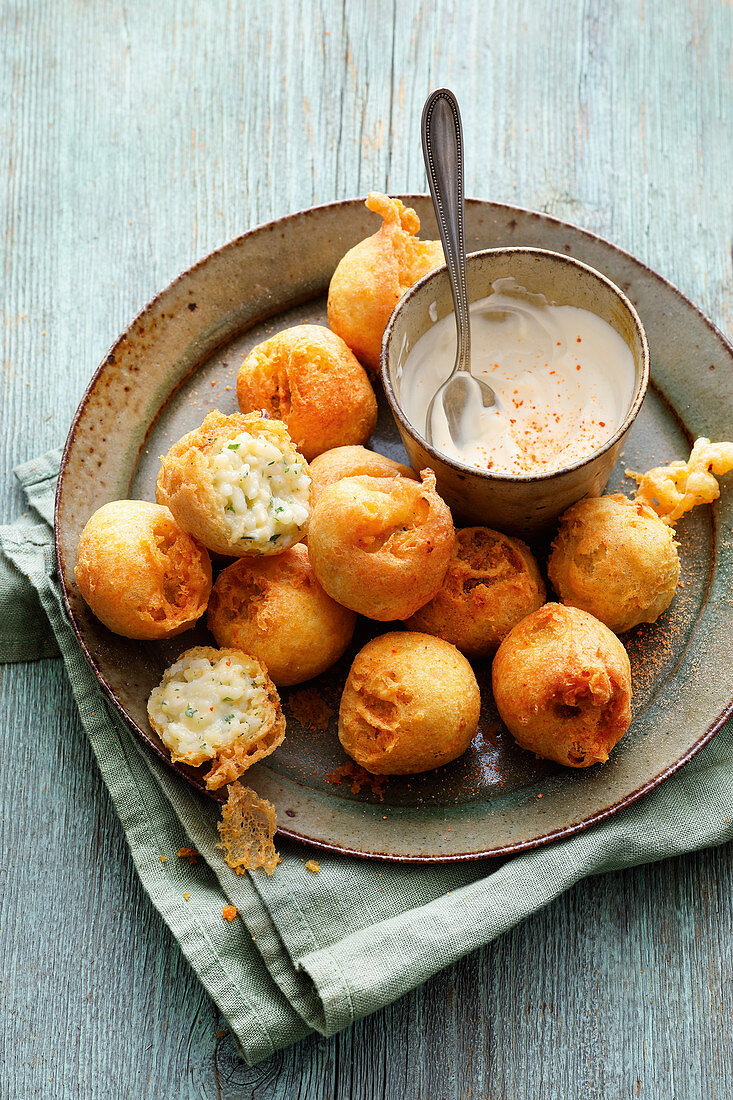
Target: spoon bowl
x,y
462,397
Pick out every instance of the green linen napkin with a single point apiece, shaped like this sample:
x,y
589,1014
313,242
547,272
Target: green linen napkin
x,y
318,951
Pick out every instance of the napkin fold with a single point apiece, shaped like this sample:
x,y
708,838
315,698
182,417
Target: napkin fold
x,y
317,951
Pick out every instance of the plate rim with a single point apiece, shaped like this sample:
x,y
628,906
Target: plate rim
x,y
507,849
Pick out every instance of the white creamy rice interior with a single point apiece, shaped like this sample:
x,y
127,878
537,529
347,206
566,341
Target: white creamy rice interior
x,y
203,706
264,491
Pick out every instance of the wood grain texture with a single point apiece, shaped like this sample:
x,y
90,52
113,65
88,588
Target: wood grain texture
x,y
137,137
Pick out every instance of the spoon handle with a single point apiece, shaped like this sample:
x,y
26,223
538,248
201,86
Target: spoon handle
x,y
442,146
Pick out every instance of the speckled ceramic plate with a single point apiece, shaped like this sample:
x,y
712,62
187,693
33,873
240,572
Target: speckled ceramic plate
x,y
179,359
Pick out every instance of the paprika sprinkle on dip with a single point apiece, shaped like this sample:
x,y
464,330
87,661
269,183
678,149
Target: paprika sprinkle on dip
x,y
563,380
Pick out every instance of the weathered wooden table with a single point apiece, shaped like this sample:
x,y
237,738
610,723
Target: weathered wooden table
x,y
137,137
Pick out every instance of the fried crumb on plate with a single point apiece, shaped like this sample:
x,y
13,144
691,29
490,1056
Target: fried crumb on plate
x,y
308,707
680,486
188,853
229,912
247,828
312,865
359,777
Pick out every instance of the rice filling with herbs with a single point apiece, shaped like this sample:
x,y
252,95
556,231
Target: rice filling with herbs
x,y
263,490
203,706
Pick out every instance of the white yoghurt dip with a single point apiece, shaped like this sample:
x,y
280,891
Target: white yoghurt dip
x,y
563,380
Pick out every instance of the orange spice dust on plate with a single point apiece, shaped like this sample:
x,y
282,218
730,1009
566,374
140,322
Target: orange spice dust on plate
x,y
358,777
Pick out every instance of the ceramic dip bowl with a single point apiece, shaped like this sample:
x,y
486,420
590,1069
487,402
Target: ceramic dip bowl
x,y
520,504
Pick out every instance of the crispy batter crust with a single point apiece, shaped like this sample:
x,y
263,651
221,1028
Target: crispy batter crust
x,y
616,559
247,831
275,609
411,703
184,483
341,462
562,685
308,377
231,762
140,573
492,582
677,488
374,274
381,546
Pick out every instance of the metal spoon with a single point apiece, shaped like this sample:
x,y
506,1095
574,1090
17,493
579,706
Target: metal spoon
x,y
461,395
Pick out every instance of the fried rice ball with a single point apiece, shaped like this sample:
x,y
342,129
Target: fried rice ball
x,y
381,545
616,559
275,609
342,462
307,377
218,705
411,703
238,485
492,582
374,274
140,573
562,685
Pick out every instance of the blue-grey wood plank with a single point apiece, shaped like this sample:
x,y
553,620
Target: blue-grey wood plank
x,y
136,137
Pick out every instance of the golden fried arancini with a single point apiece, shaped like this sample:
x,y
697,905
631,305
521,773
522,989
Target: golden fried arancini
x,y
141,575
562,685
307,377
341,462
275,609
381,545
492,582
411,703
373,275
218,705
616,559
238,485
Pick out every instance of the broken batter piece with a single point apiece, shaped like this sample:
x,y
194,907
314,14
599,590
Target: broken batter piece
x,y
247,829
678,487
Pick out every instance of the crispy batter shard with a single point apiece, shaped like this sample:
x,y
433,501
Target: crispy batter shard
x,y
616,559
309,378
562,685
247,829
141,574
677,488
492,582
374,274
